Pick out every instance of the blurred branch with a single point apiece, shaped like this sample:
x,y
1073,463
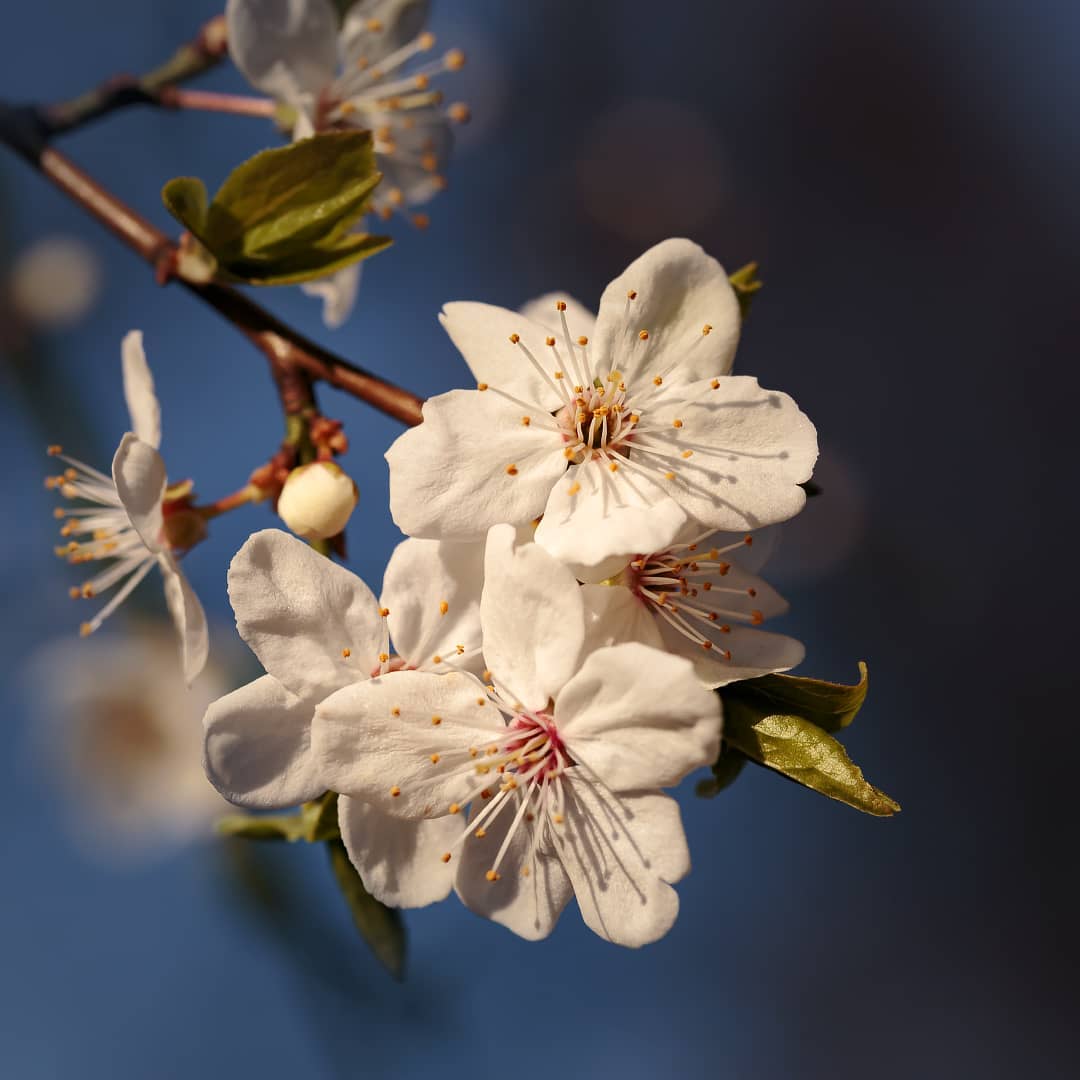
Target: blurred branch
x,y
283,347
153,88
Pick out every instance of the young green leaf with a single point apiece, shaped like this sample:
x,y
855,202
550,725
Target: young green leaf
x,y
380,926
831,706
746,283
802,751
286,215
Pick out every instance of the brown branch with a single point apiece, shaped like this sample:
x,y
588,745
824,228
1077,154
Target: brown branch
x,y
190,60
279,343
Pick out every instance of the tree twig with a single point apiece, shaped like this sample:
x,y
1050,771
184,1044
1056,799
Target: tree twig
x,y
21,131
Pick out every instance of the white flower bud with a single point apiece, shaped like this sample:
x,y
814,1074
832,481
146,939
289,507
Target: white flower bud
x,y
317,500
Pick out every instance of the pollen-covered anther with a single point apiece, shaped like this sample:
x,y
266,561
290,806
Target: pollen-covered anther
x,y
434,759
384,611
420,221
756,617
706,644
550,341
511,470
583,341
515,338
706,330
715,384
396,196
676,423
346,653
459,112
748,541
421,81
751,592
454,60
643,335
395,791
613,466
437,659
560,305
446,856
526,421
444,607
86,629
383,657
573,489
454,808
436,721
481,701
631,294
480,833
54,449
459,649
688,453
481,386
425,41
557,818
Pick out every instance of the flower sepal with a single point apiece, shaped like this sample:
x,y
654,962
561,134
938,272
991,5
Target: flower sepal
x,y
315,822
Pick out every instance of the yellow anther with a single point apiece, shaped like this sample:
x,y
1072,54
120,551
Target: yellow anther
x,y
583,340
58,512
54,449
434,759
384,611
549,341
493,875
346,653
395,791
526,421
658,381
459,112
383,657
524,871
688,453
715,384
86,629
481,386
481,833
569,452
421,82
643,335
635,418
454,60
557,818
632,294
446,856
511,470
481,701
706,644
444,607
473,751
560,305
420,221
436,721
395,711
515,338
676,423
436,659
460,650
74,592
573,489
706,329
558,374
613,466
425,41
454,808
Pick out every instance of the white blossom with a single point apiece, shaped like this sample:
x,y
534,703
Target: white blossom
x,y
361,74
316,627
121,732
555,765
135,521
620,437
695,600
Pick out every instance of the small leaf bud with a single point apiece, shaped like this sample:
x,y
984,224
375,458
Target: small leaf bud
x,y
317,500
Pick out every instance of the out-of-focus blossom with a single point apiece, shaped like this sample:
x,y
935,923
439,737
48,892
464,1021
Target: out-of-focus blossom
x,y
55,281
121,732
621,430
135,520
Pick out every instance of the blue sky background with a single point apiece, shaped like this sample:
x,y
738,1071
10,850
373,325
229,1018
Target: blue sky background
x,y
907,177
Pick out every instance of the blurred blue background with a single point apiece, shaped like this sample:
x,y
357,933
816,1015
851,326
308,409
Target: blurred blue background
x,y
906,174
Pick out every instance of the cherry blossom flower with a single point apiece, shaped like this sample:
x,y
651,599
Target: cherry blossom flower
x,y
316,627
620,437
555,765
695,600
121,732
361,73
135,520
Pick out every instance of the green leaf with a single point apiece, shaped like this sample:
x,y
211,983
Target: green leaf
x,y
831,706
286,215
725,772
746,283
315,822
380,926
799,749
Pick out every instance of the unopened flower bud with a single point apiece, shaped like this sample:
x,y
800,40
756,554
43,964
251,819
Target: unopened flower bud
x,y
317,500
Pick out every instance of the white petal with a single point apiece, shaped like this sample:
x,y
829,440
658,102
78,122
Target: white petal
x,y
139,475
528,904
593,514
299,612
423,576
638,718
187,615
284,47
532,618
753,653
482,332
142,402
338,294
376,737
374,28
750,449
542,311
257,747
399,861
449,478
680,290
614,615
620,856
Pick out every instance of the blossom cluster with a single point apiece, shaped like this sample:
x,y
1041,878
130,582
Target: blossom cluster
x,y
501,722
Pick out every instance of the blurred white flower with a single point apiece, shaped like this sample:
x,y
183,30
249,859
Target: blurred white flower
x,y
135,520
55,281
122,734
